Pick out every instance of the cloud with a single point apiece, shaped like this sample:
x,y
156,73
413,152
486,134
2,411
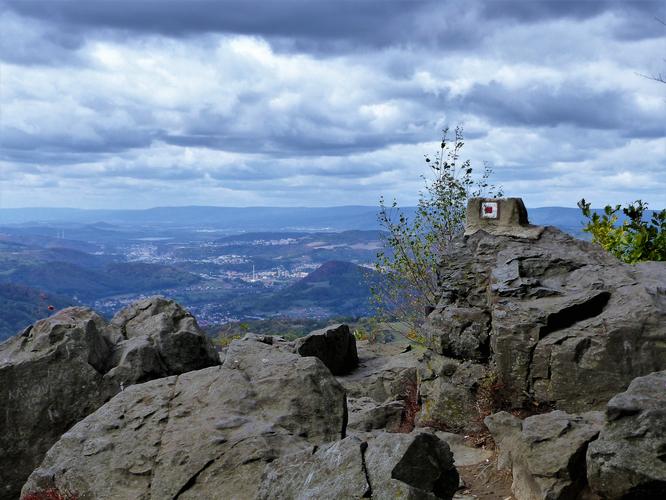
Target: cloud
x,y
325,103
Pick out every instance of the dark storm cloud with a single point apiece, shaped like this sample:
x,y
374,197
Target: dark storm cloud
x,y
321,27
539,10
371,22
35,42
65,146
569,104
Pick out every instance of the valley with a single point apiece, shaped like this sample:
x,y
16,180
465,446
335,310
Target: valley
x,y
225,265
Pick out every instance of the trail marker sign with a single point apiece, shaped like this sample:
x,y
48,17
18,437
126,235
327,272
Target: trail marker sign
x,y
489,210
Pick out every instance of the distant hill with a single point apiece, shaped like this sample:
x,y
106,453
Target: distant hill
x,y
89,283
231,218
247,219
336,288
21,306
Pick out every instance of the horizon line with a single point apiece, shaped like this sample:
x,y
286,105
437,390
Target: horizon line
x,y
304,207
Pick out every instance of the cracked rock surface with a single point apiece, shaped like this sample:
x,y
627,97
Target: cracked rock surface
x,y
203,434
629,458
545,452
64,367
383,466
563,322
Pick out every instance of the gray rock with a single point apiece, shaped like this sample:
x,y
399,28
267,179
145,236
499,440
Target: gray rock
x,y
417,465
51,376
384,381
334,345
385,373
385,466
546,452
629,458
172,331
334,470
510,218
567,323
202,434
365,414
66,366
448,390
468,332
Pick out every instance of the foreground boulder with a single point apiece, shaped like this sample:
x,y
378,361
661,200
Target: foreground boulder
x,y
334,345
546,453
385,466
629,458
562,322
51,376
64,367
203,434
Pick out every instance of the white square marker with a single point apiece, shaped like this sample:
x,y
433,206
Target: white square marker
x,y
489,210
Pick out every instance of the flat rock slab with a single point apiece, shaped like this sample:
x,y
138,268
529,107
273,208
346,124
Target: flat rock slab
x,y
384,372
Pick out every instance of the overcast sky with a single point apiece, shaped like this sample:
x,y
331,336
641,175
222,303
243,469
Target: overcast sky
x,y
131,104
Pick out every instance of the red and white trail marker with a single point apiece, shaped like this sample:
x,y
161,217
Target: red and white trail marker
x,y
489,210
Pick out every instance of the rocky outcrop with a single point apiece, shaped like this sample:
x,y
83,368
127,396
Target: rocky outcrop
x,y
546,453
64,367
385,466
629,458
204,434
334,345
561,321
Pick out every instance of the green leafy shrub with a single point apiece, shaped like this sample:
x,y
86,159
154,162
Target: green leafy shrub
x,y
416,243
636,239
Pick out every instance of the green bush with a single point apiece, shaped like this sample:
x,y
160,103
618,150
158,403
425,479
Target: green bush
x,y
414,244
636,239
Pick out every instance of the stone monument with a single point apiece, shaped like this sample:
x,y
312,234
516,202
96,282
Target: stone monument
x,y
500,216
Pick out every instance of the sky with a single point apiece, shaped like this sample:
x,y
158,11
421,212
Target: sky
x,y
135,104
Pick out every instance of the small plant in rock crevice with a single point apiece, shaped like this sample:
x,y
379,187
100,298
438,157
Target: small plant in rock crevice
x,y
49,494
412,407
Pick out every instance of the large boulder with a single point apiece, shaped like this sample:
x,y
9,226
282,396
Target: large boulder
x,y
546,453
51,376
202,434
334,345
64,367
165,334
385,466
562,322
629,458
